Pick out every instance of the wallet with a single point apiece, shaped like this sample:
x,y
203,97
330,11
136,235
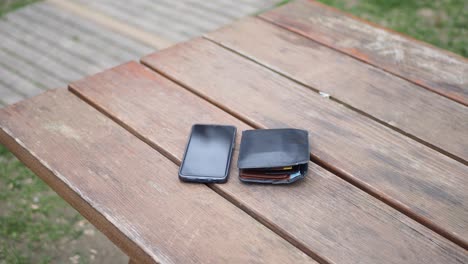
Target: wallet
x,y
274,156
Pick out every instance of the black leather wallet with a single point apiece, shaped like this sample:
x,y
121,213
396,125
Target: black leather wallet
x,y
276,156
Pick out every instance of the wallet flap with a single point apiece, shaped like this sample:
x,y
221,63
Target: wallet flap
x,y
264,148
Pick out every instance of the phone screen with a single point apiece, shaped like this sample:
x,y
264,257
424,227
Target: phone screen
x,y
208,153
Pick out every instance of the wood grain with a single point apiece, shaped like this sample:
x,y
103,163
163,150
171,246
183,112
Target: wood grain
x,y
419,181
323,214
130,191
439,71
436,120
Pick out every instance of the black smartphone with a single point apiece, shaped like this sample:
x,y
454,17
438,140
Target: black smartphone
x,y
208,154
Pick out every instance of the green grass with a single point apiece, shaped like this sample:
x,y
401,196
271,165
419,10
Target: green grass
x,y
33,219
443,23
11,5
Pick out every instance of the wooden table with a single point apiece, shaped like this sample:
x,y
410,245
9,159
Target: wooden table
x,y
388,123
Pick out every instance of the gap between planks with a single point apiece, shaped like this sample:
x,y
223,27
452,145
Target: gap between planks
x,y
263,220
113,24
341,174
401,131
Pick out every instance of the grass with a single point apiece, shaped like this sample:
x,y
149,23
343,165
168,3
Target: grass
x,y
443,23
11,5
33,219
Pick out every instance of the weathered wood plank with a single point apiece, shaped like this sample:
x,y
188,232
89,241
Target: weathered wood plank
x,y
427,116
323,214
71,40
10,79
8,96
442,72
130,191
36,59
27,72
92,33
177,20
422,183
37,44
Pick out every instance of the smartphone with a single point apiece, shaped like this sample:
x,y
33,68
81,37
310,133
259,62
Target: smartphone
x,y
208,154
